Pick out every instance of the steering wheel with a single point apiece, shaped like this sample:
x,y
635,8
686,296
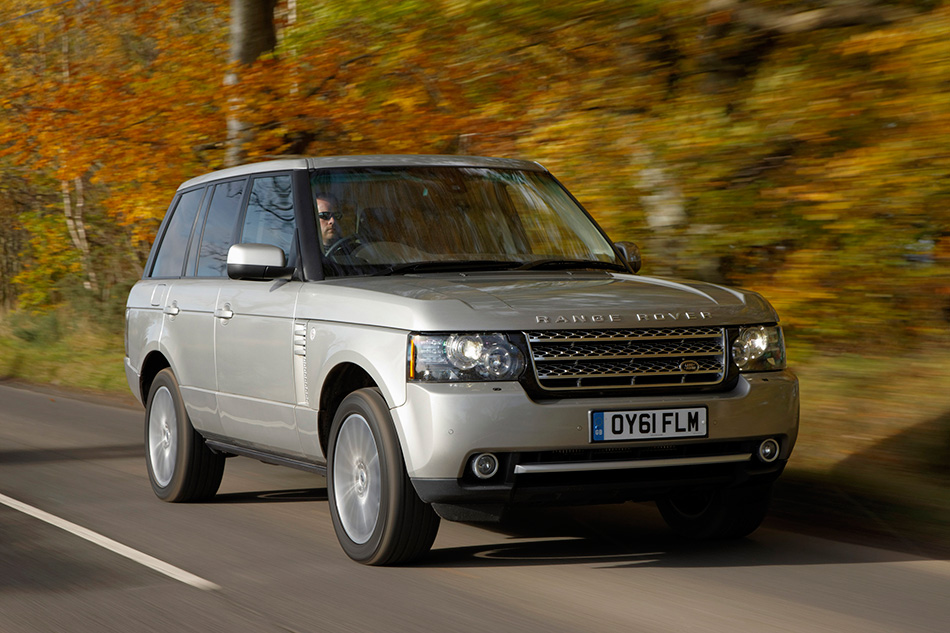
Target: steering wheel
x,y
343,247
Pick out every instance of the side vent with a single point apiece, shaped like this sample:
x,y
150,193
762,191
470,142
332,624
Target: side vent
x,y
300,362
300,339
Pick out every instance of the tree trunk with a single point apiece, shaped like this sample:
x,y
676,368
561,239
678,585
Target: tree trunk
x,y
753,27
252,33
77,230
74,220
10,246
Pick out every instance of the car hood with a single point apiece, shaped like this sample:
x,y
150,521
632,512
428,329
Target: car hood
x,y
512,300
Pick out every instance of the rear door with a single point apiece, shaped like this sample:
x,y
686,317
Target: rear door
x,y
186,304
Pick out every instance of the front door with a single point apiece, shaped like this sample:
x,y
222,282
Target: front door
x,y
254,331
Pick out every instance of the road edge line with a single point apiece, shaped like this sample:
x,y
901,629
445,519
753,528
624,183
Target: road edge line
x,y
105,542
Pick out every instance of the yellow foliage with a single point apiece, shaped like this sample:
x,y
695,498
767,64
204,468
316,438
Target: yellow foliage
x,y
813,163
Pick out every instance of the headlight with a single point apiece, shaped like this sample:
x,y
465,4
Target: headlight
x,y
759,348
463,357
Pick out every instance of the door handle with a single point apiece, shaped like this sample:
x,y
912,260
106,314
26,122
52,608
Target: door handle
x,y
225,312
172,310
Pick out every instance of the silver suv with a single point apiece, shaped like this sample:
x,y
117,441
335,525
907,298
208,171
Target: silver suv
x,y
446,336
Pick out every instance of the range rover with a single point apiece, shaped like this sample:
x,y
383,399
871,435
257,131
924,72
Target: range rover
x,y
446,337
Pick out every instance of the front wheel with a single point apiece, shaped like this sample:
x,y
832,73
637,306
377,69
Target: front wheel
x,y
717,514
377,515
180,467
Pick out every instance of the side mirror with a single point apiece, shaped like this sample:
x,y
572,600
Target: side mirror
x,y
630,253
257,262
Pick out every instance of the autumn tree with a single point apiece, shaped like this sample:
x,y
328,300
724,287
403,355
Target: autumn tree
x,y
111,100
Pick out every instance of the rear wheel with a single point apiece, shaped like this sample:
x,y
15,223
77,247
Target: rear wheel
x,y
717,514
180,467
377,515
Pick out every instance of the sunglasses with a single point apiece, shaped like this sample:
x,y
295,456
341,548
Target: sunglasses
x,y
326,215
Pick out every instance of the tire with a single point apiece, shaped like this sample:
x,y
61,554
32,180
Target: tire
x,y
718,514
377,515
180,467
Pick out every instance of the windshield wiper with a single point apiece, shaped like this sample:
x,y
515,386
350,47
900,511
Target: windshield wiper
x,y
567,264
447,266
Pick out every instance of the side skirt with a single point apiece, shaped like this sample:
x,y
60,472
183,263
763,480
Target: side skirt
x,y
268,458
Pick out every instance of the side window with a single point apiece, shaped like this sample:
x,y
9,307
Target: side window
x,y
218,234
171,253
270,213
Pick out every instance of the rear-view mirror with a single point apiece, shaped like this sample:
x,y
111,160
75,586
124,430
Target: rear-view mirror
x,y
630,253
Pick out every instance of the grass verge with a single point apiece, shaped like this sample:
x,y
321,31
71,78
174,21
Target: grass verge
x,y
58,350
873,453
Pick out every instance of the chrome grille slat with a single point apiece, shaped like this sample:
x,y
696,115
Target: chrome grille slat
x,y
606,369
628,358
620,357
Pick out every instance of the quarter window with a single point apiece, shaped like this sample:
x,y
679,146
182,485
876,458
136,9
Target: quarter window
x,y
270,213
218,234
171,254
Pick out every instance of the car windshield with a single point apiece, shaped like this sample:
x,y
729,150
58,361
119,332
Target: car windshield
x,y
402,220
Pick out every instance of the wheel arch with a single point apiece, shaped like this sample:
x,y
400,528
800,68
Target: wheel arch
x,y
154,362
342,380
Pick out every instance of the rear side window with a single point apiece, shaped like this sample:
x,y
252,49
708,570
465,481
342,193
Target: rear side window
x,y
270,213
219,230
170,258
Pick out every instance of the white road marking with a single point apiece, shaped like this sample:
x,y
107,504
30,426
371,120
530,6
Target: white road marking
x,y
113,546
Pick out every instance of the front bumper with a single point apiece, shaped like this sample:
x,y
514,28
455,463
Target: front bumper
x,y
545,451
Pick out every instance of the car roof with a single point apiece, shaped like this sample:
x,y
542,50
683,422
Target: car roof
x,y
376,160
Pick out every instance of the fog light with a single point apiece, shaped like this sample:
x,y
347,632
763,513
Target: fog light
x,y
485,466
768,451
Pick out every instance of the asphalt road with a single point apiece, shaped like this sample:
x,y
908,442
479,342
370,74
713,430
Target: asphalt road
x,y
263,557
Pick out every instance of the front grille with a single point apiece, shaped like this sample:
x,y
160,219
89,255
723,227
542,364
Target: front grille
x,y
628,358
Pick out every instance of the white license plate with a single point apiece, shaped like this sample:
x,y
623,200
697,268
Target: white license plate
x,y
615,426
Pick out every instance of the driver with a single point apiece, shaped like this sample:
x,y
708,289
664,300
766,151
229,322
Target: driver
x,y
328,213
